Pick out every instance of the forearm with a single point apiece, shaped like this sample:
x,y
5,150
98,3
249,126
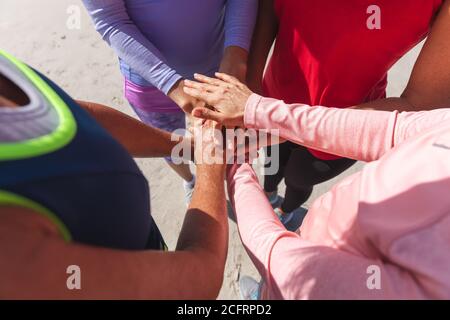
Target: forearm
x,y
140,140
289,264
265,33
234,62
258,225
358,134
150,274
205,228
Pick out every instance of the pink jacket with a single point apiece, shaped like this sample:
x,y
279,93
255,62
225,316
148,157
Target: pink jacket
x,y
383,233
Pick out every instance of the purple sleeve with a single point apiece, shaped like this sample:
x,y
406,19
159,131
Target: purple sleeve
x,y
240,19
114,24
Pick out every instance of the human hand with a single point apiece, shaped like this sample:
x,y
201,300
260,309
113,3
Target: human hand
x,y
209,147
226,95
184,101
230,146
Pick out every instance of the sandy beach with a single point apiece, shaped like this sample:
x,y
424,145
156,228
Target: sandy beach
x,y
81,62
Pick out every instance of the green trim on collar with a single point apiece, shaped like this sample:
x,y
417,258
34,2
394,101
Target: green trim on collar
x,y
59,138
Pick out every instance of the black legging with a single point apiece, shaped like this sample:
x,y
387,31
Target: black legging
x,y
301,171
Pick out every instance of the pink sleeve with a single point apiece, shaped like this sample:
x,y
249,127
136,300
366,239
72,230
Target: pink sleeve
x,y
358,134
296,269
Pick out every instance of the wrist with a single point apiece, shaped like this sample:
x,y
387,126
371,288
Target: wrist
x,y
177,94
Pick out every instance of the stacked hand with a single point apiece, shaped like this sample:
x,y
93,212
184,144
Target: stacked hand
x,y
213,145
226,95
225,101
184,101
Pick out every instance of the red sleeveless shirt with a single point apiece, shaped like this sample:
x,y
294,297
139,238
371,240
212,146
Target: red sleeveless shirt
x,y
337,53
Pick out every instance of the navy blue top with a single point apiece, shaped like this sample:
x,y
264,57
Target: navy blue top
x,y
92,184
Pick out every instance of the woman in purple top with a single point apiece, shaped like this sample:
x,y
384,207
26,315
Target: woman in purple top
x,y
162,42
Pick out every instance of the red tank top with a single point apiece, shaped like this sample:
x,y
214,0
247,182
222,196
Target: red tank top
x,y
337,53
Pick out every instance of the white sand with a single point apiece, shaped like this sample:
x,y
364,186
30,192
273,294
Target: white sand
x,y
79,61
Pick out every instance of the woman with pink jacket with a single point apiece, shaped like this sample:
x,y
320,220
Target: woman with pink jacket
x,y
379,234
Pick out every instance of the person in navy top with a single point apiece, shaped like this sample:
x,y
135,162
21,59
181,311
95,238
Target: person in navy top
x,y
71,195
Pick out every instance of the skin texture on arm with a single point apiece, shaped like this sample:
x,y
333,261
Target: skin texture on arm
x,y
265,33
140,140
209,235
37,257
234,62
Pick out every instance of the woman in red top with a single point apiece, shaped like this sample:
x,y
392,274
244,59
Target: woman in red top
x,y
337,54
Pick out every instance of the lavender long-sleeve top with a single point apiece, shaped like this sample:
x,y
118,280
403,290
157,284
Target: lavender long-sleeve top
x,y
163,41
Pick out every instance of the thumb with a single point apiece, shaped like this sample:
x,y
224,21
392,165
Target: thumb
x,y
208,114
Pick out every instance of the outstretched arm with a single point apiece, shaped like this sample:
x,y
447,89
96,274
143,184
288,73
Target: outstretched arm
x,y
297,269
32,246
358,134
141,140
